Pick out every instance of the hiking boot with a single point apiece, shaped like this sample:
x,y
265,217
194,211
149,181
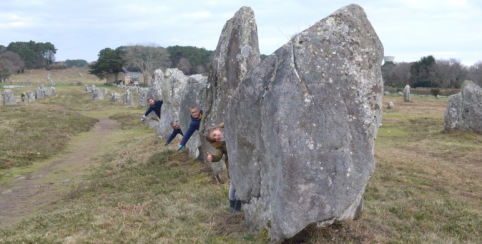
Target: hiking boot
x,y
237,206
232,204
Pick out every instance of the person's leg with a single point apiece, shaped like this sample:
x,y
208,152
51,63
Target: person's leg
x,y
232,197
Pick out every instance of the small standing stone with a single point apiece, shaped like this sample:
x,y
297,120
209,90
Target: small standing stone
x,y
127,98
390,105
406,94
115,97
387,93
9,97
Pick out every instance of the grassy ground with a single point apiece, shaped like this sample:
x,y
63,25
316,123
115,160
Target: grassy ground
x,y
60,77
426,189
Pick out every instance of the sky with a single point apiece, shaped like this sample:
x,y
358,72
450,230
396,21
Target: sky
x,y
408,29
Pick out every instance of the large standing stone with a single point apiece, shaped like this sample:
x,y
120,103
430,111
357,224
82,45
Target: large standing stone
x,y
9,97
115,97
172,92
301,127
97,94
127,98
406,94
155,92
237,52
142,99
31,96
464,109
192,96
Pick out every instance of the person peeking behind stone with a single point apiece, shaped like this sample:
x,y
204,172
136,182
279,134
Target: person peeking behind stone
x,y
215,137
196,116
177,130
154,106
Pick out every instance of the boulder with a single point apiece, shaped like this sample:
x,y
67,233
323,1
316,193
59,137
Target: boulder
x,y
52,90
127,98
103,90
437,97
172,89
115,97
301,127
390,105
387,93
9,97
464,109
24,97
155,92
192,95
406,94
236,53
400,93
87,88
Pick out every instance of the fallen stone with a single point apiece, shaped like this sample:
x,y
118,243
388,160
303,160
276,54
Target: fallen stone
x,y
237,52
301,127
464,109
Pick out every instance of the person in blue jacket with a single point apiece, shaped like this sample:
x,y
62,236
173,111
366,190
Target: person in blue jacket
x,y
154,106
177,130
196,116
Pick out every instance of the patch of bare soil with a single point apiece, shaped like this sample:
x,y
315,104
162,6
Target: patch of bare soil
x,y
43,188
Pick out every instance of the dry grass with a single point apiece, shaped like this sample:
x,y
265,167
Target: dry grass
x,y
426,189
68,76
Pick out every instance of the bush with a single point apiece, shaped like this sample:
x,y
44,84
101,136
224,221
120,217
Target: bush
x,y
435,91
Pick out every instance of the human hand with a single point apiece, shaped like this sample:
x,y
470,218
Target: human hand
x,y
210,157
180,147
143,118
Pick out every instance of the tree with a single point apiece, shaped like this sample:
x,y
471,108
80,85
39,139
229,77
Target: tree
x,y
109,61
423,72
12,61
450,73
4,72
80,63
147,58
195,56
34,55
475,73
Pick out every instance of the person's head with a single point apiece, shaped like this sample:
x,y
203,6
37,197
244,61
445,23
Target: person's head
x,y
150,101
194,111
175,125
214,134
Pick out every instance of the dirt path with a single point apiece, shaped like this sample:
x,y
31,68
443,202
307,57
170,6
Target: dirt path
x,y
43,188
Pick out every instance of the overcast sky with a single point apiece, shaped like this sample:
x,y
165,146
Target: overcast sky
x,y
408,29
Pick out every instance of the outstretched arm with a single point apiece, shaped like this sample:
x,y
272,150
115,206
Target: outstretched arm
x,y
186,137
172,136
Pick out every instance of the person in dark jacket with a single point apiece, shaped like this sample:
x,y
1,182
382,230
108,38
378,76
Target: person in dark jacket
x,y
154,106
177,130
196,116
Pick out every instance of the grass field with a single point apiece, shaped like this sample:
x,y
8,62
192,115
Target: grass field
x,y
68,76
426,187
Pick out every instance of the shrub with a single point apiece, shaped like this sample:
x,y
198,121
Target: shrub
x,y
435,91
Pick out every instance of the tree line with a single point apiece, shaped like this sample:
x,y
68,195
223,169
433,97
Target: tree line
x,y
431,72
146,58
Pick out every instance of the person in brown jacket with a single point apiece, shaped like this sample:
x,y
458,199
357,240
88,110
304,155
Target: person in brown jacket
x,y
215,136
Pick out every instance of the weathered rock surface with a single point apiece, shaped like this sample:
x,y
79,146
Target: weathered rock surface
x,y
192,95
115,97
142,98
172,90
155,92
87,88
390,105
127,98
236,53
97,94
400,93
464,109
301,127
406,94
9,97
31,96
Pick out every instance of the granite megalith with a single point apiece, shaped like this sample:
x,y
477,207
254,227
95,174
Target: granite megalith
x,y
31,96
390,105
127,98
142,98
301,127
115,97
406,94
464,109
172,90
97,94
192,96
9,97
236,53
